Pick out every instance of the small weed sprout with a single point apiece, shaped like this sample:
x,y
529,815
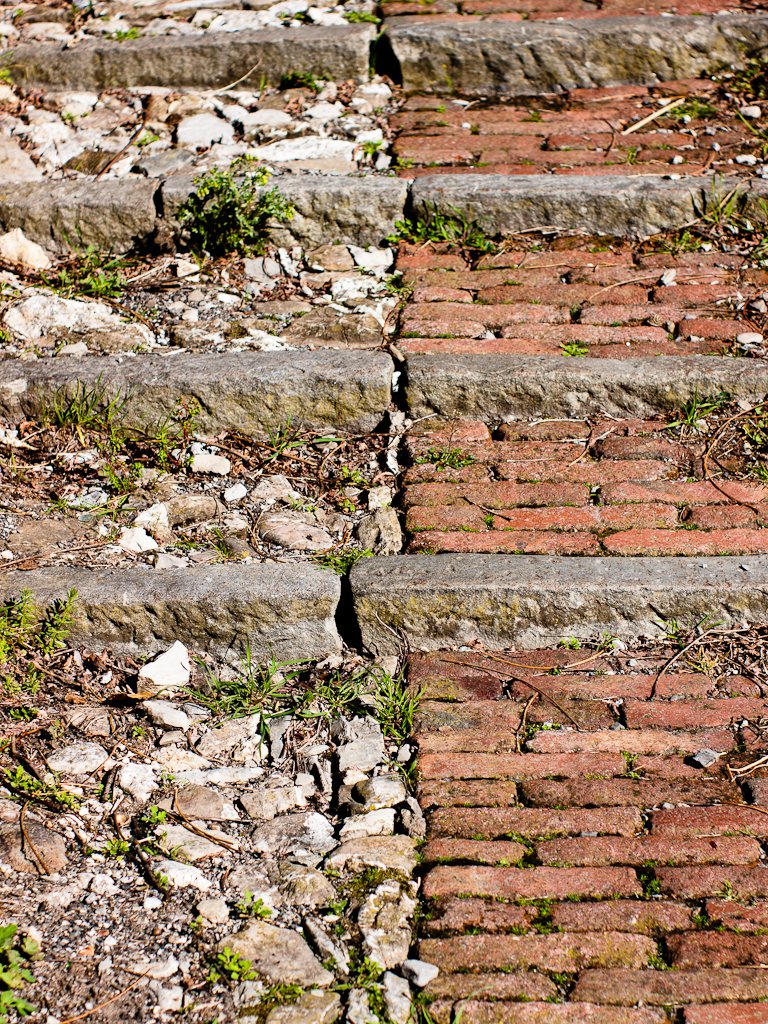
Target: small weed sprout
x,y
453,458
227,215
574,348
15,958
252,908
231,965
437,226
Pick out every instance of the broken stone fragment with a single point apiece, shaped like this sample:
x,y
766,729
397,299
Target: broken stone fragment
x,y
16,848
168,672
16,247
381,532
384,921
390,853
78,759
305,886
290,530
280,955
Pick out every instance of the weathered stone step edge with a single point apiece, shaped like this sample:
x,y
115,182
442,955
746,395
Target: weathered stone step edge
x,y
285,610
533,600
510,387
211,61
118,214
493,58
250,392
605,205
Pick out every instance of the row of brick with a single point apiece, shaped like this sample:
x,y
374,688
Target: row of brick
x,y
582,880
581,133
541,10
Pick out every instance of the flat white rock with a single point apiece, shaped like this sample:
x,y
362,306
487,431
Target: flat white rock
x,y
168,672
419,972
16,247
78,759
183,875
217,465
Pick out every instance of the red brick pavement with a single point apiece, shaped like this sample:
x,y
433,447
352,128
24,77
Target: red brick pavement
x,y
580,132
614,487
544,10
598,304
603,887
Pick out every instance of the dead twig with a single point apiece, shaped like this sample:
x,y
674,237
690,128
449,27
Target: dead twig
x,y
107,1002
520,731
28,839
652,117
525,682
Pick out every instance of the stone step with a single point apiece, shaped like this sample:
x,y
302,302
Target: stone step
x,y
248,392
212,61
529,600
281,610
518,58
607,205
120,214
509,387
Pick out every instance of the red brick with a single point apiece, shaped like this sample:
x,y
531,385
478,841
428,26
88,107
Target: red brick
x,y
456,680
721,517
493,316
630,686
734,915
531,883
497,822
433,294
632,742
687,542
647,917
694,295
626,315
587,334
708,713
531,542
700,882
562,294
482,793
517,985
444,517
590,473
706,327
683,493
625,793
484,720
645,139
419,256
643,448
473,1012
692,822
598,851
555,952
730,1013
501,495
522,766
572,258
666,988
477,852
717,949
425,326
455,916
758,788
661,767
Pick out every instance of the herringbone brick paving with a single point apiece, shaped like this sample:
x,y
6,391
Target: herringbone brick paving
x,y
626,885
